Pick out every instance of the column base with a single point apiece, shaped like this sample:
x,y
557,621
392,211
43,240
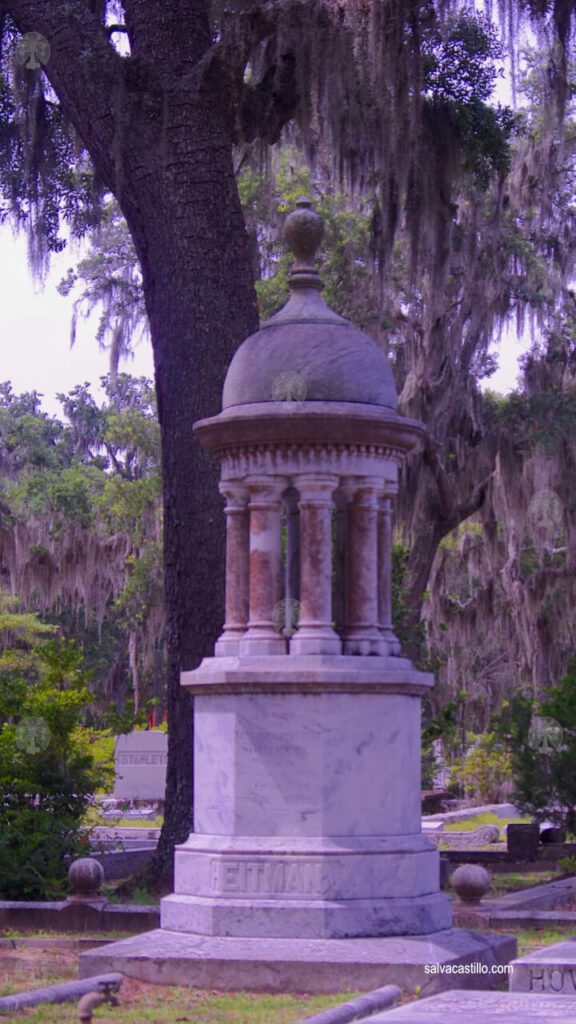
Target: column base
x,y
258,644
315,642
304,919
364,642
313,887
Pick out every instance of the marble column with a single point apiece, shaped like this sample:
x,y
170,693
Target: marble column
x,y
362,635
263,635
391,644
237,568
315,633
292,563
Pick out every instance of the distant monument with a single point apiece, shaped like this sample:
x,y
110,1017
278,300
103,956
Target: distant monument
x,y
307,866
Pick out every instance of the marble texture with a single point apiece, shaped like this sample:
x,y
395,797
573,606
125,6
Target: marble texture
x,y
308,819
307,764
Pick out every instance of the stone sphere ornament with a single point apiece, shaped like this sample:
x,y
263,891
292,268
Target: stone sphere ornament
x,y
86,876
471,882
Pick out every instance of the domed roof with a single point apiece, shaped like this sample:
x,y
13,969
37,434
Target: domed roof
x,y
306,352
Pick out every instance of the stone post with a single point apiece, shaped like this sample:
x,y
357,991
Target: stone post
x,y
237,568
362,635
263,636
315,632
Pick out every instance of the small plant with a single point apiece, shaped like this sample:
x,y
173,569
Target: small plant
x,y
567,865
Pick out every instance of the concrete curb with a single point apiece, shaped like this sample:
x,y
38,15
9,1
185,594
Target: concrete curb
x,y
354,1009
67,992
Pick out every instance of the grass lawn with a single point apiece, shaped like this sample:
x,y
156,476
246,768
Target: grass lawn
x,y
141,1003
22,969
487,818
502,883
531,939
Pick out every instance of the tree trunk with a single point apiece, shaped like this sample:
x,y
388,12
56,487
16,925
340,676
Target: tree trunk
x,y
192,244
160,140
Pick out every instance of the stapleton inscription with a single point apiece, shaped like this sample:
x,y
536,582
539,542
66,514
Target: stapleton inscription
x,y
273,877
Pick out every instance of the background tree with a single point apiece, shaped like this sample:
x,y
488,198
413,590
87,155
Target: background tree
x,y
160,121
80,531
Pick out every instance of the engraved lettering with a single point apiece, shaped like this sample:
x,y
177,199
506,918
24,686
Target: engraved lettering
x,y
273,877
558,984
230,882
277,873
537,980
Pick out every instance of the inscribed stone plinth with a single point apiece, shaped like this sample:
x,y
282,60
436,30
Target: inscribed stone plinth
x,y
551,970
481,1008
307,808
140,762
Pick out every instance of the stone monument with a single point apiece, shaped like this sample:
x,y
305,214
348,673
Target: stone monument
x,y
307,862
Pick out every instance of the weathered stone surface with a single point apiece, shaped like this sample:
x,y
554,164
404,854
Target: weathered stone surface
x,y
302,965
471,882
481,1008
551,970
140,762
307,816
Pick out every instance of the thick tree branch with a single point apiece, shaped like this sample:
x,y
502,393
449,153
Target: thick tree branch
x,y
83,68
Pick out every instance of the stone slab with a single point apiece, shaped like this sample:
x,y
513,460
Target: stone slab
x,y
549,970
457,1007
140,763
303,965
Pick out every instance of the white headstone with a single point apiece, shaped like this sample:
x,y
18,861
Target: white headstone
x,y
140,762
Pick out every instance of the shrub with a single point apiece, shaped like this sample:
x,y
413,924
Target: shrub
x,y
485,771
47,770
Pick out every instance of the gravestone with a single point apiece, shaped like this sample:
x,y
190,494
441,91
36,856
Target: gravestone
x,y
481,1008
522,841
140,762
549,970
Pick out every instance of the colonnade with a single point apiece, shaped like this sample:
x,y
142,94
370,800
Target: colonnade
x,y
263,582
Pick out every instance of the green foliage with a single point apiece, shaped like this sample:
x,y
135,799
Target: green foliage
x,y
89,487
346,272
567,865
459,77
541,420
541,738
412,637
485,771
47,771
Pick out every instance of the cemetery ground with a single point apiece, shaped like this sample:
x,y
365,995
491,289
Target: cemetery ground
x,y
52,958
23,968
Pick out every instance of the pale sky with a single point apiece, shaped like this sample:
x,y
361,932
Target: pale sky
x,y
35,353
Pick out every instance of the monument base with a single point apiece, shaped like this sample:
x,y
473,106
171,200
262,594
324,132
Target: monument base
x,y
313,966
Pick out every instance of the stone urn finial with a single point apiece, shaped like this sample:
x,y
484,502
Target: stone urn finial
x,y
304,230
